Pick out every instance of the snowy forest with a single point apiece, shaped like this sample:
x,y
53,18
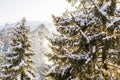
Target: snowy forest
x,y
85,46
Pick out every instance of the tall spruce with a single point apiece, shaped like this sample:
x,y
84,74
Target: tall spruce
x,y
19,64
88,47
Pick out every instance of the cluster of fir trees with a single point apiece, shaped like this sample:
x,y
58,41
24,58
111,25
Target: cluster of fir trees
x,y
18,64
89,45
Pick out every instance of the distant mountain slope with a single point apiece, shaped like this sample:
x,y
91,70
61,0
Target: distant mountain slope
x,y
33,25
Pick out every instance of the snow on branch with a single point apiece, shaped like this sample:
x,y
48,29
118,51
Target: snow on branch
x,y
85,36
65,69
79,57
116,19
91,37
22,63
107,38
29,75
104,8
52,69
19,45
12,58
5,65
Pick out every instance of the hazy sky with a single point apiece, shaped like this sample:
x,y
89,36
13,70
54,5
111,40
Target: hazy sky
x,y
34,10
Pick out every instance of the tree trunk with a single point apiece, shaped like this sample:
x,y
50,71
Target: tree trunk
x,y
22,76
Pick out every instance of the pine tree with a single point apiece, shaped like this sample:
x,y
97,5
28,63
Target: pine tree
x,y
19,62
88,47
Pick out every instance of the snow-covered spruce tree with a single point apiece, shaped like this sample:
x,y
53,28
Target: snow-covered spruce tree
x,y
19,64
89,45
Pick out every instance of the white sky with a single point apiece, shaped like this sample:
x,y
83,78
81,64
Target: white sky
x,y
34,10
